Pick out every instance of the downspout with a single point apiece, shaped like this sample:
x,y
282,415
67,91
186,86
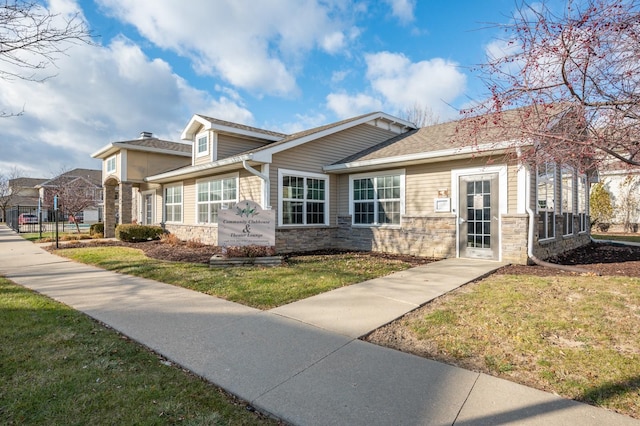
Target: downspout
x,y
266,195
532,219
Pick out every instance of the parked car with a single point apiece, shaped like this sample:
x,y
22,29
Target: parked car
x,y
25,218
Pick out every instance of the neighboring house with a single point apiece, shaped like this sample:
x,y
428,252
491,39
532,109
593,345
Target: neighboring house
x,y
78,190
125,165
22,195
622,181
372,182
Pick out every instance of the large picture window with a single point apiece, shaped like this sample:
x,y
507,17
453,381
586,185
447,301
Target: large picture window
x,y
583,219
568,189
377,199
213,195
304,198
173,203
546,188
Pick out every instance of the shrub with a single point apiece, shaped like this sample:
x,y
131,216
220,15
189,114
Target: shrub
x,y
170,239
250,251
96,228
601,209
135,233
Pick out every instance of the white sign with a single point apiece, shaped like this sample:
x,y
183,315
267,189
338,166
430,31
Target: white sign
x,y
246,224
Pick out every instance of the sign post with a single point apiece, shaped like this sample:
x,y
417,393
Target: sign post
x,y
55,212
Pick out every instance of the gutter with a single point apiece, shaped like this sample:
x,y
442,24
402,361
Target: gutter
x,y
266,194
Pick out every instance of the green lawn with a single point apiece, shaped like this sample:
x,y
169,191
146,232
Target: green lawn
x,y
260,287
576,336
627,237
59,367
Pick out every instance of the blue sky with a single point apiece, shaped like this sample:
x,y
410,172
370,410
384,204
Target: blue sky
x,y
284,65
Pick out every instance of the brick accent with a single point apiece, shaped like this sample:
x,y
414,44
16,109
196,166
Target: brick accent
x,y
515,230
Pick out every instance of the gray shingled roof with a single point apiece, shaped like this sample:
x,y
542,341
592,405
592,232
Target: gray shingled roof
x,y
157,144
241,126
25,182
93,176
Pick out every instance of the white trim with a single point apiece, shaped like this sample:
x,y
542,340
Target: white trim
x,y
394,172
303,174
164,201
503,207
198,121
235,175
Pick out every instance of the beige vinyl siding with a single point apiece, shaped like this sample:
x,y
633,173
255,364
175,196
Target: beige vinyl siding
x,y
311,157
189,202
250,187
422,183
143,164
228,145
205,158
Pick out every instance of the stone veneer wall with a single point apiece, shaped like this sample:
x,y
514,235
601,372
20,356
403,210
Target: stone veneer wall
x,y
515,228
204,234
291,240
428,236
560,243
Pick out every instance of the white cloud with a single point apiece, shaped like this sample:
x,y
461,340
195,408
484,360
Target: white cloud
x,y
257,46
402,83
402,9
100,95
345,105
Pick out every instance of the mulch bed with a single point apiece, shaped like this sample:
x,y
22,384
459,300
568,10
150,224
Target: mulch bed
x,y
602,259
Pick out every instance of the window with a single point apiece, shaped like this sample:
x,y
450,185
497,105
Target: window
x,y
213,195
567,188
111,164
546,182
173,203
202,145
377,200
583,220
304,198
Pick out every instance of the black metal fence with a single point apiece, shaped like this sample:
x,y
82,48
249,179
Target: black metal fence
x,y
27,219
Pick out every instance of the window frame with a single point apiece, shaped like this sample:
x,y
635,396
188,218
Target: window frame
x,y
282,173
376,201
114,167
547,214
173,204
568,190
205,152
223,202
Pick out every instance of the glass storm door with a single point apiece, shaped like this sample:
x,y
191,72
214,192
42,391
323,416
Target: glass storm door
x,y
478,220
147,209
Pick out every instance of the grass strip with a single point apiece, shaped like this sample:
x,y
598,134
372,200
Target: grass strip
x,y
57,366
259,287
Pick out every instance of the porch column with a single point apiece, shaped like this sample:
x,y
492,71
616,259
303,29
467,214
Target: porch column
x,y
125,202
109,211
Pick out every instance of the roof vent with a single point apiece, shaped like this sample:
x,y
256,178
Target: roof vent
x,y
146,135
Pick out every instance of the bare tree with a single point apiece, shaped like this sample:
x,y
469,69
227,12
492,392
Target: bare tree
x,y
32,38
569,79
7,193
420,115
75,195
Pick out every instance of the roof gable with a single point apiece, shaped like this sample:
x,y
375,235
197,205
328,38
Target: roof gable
x,y
209,123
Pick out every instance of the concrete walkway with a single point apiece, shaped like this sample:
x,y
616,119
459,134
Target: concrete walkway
x,y
301,362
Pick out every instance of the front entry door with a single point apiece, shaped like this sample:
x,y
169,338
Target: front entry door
x,y
478,216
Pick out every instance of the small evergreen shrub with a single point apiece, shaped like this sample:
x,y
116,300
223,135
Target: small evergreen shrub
x,y
96,228
136,233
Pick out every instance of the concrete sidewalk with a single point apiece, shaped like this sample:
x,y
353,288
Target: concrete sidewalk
x,y
293,362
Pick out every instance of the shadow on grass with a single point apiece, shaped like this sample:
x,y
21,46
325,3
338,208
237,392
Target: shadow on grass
x,y
599,395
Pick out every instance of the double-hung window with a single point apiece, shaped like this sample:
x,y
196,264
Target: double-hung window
x,y
546,183
304,198
213,195
202,144
173,203
111,164
377,199
568,190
